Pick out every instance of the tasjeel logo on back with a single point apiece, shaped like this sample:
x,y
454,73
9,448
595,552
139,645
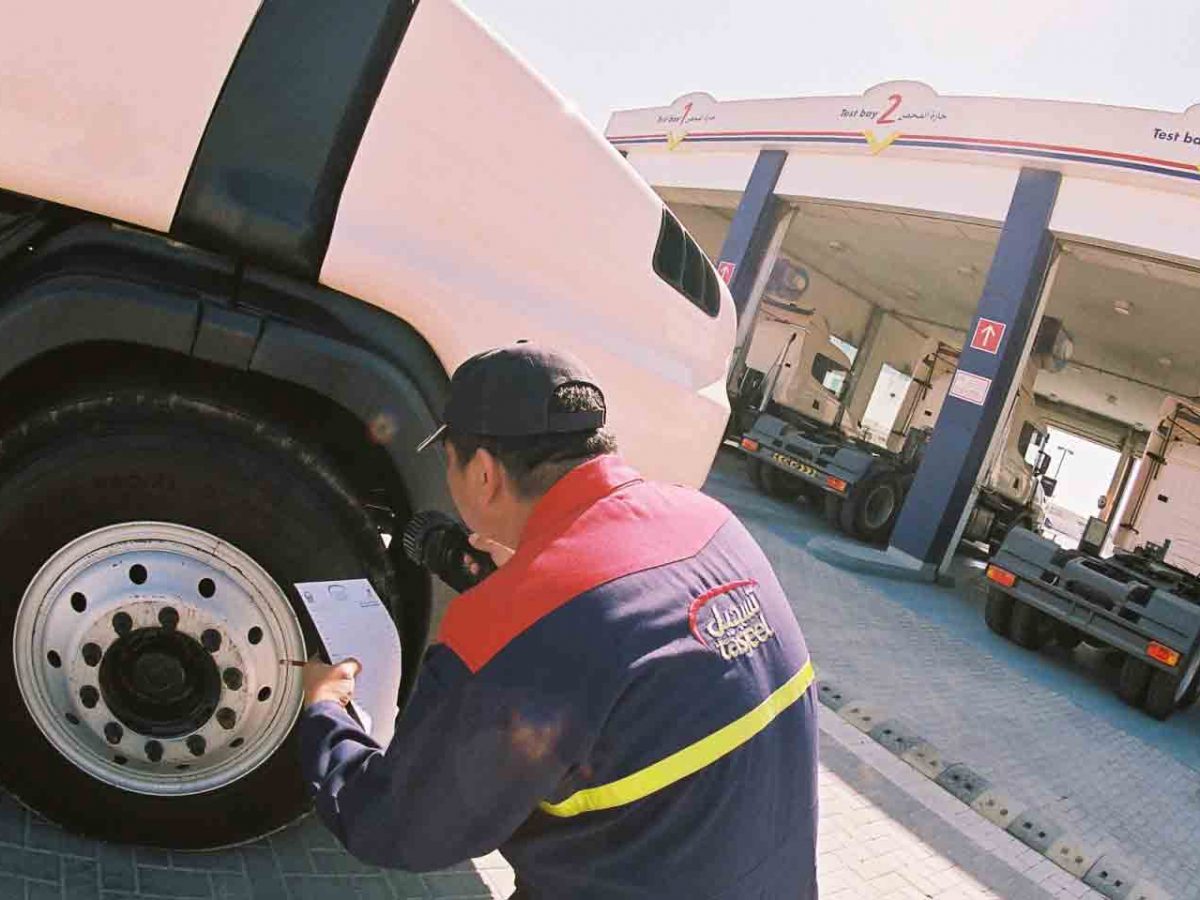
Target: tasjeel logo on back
x,y
730,619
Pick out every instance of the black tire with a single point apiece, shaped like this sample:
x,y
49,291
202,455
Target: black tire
x,y
871,512
1134,681
1029,627
1188,699
813,495
1160,695
1189,687
833,510
136,455
780,484
1067,636
754,467
998,612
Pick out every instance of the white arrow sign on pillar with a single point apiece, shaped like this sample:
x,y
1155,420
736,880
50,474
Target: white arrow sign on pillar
x,y
988,336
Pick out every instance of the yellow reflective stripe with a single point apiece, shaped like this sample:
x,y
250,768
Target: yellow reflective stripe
x,y
690,759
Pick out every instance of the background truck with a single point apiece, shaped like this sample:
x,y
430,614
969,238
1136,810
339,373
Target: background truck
x,y
1143,601
794,430
241,246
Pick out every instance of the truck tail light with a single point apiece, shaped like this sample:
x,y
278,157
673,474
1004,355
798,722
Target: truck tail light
x,y
1001,576
836,483
1162,653
750,444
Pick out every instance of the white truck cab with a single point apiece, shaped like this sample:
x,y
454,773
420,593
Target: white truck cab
x,y
805,370
242,246
1164,500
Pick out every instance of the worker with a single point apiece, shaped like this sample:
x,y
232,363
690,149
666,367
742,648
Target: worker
x,y
623,707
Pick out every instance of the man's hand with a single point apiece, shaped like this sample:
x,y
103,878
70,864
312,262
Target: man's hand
x,y
322,682
499,553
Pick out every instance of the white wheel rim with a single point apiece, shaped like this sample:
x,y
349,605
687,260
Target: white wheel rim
x,y
147,669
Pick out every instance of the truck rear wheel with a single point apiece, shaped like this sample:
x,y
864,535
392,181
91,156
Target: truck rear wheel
x,y
1029,627
151,546
754,468
1134,681
1067,636
780,484
871,511
833,511
1160,699
998,612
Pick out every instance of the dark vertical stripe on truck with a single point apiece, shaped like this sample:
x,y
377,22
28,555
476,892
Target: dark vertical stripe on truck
x,y
269,172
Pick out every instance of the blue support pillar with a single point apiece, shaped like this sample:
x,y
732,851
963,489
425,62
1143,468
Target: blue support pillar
x,y
935,505
750,231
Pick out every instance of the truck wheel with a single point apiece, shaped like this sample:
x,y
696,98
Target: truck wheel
x,y
1029,627
779,484
754,468
872,511
1067,636
1134,681
1160,695
998,611
151,544
833,511
1189,684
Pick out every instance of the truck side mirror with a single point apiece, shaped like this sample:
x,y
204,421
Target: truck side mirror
x,y
1043,463
1048,485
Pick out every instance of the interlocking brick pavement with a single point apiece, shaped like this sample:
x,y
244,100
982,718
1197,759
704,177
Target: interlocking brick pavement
x,y
885,834
39,862
1043,727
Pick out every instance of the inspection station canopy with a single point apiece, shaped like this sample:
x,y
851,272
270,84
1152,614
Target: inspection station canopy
x,y
910,119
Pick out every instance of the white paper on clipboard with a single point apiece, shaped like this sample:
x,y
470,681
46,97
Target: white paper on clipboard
x,y
353,621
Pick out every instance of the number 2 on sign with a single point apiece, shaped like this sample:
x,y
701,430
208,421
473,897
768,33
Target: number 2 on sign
x,y
886,117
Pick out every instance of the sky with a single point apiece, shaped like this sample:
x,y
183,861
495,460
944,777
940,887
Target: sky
x,y
625,53
1084,470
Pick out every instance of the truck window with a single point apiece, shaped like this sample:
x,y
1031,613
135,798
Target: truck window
x,y
681,263
831,374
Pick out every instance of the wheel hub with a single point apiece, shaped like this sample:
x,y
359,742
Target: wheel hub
x,y
148,655
160,682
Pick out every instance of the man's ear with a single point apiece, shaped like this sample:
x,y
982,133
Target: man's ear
x,y
491,473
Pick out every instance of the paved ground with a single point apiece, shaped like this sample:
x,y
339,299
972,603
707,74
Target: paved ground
x,y
887,833
1045,727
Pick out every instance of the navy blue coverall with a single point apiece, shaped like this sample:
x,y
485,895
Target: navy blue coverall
x,y
624,709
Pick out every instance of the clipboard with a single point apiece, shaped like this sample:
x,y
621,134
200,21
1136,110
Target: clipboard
x,y
352,620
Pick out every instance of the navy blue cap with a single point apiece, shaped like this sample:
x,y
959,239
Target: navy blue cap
x,y
508,392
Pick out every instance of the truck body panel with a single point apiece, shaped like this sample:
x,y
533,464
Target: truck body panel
x,y
440,170
100,113
1164,500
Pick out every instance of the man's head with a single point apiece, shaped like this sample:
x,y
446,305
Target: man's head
x,y
518,419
